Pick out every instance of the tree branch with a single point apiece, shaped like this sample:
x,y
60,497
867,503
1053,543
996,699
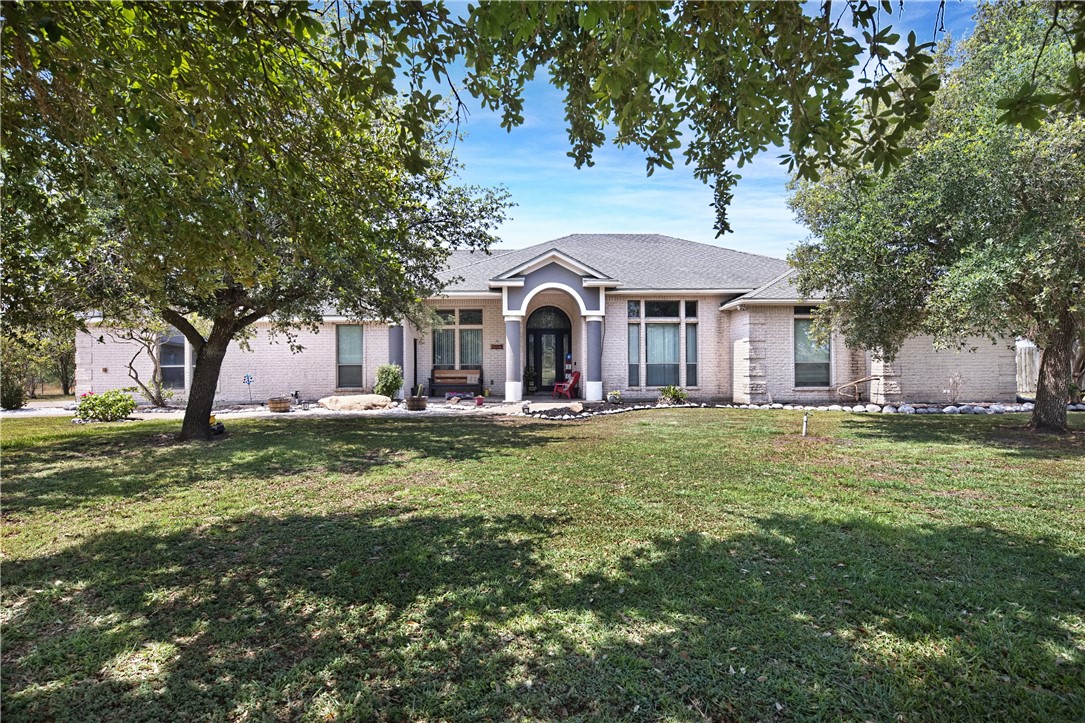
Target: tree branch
x,y
184,326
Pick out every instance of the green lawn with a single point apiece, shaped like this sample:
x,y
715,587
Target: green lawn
x,y
684,564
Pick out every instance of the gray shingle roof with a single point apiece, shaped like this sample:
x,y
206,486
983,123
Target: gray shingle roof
x,y
780,288
637,261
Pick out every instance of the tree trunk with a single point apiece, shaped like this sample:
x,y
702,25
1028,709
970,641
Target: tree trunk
x,y
201,395
65,366
1053,386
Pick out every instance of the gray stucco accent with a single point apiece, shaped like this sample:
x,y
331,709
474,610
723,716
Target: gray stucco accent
x,y
395,345
595,351
513,369
554,274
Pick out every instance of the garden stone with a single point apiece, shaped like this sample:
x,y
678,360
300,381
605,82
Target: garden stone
x,y
964,409
858,408
950,410
777,406
873,408
822,409
889,409
835,408
576,407
1027,407
998,409
356,402
906,409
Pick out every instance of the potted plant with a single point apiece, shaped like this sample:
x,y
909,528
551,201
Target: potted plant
x,y
529,379
614,397
416,402
279,404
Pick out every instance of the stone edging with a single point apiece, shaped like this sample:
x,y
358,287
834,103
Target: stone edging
x,y
602,409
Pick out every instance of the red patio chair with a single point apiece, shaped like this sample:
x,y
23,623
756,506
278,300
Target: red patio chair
x,y
566,388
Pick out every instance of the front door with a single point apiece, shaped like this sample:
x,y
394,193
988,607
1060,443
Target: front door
x,y
547,355
548,344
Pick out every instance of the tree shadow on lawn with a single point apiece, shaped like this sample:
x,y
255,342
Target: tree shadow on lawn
x,y
127,461
1004,433
394,615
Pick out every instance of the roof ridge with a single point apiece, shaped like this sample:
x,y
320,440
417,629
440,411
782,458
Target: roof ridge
x,y
769,283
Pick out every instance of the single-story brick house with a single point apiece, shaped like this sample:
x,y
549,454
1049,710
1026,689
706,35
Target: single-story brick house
x,y
629,312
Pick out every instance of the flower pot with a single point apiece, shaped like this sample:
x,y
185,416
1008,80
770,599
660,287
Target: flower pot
x,y
416,404
279,404
614,399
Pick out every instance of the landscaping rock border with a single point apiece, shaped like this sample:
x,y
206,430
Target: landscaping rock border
x,y
586,410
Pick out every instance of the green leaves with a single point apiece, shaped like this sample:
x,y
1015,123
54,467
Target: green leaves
x,y
1028,107
978,227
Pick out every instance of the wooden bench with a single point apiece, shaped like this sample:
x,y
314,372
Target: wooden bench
x,y
445,381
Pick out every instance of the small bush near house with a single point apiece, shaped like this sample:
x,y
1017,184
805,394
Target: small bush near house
x,y
672,395
105,407
12,394
389,380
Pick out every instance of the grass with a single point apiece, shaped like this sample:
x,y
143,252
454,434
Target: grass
x,y
681,565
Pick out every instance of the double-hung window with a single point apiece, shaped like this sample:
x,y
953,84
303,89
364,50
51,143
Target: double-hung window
x,y
171,359
444,341
812,360
459,337
349,361
656,331
661,342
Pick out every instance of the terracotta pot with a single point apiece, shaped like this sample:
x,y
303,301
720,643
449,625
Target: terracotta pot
x,y
279,404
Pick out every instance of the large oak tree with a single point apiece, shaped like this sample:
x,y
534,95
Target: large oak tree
x,y
207,160
980,230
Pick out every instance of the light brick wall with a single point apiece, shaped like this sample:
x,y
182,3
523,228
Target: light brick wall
x,y
713,367
493,332
276,370
763,348
742,384
103,365
921,373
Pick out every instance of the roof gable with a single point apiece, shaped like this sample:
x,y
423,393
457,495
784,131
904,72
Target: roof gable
x,y
778,290
633,262
551,256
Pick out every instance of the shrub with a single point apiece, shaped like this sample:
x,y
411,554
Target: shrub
x,y
12,394
389,380
105,407
672,395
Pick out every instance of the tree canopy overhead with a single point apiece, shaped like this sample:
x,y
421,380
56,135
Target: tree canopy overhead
x,y
980,230
244,160
205,160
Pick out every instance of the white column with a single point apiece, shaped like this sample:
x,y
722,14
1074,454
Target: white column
x,y
593,384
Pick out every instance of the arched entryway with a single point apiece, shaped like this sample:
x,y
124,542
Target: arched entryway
x,y
549,347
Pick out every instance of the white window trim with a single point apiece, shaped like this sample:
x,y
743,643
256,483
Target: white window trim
x,y
682,321
456,326
832,366
361,330
186,377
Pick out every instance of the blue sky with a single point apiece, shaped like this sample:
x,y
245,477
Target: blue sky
x,y
615,195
